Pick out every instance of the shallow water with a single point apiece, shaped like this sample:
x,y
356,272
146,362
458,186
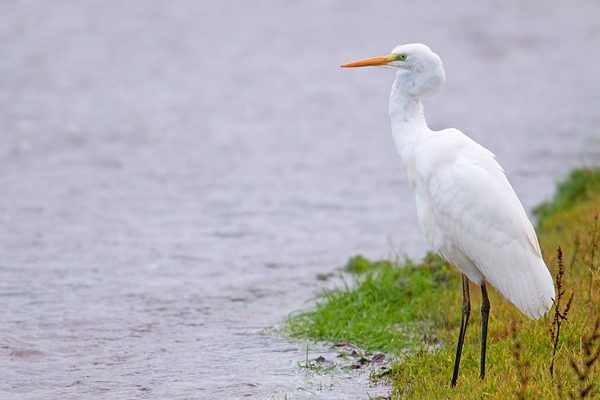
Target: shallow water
x,y
174,175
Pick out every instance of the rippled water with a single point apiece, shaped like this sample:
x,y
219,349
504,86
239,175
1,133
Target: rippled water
x,y
173,175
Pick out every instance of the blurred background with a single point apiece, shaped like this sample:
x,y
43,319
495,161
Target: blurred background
x,y
174,175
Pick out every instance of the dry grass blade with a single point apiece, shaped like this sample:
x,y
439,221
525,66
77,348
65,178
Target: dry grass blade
x,y
523,366
594,269
591,349
559,317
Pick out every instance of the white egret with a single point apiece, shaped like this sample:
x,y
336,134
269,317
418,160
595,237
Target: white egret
x,y
465,205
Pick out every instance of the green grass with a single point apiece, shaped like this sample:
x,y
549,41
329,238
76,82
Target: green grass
x,y
394,307
579,187
385,309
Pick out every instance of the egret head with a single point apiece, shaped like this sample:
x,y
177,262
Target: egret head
x,y
420,70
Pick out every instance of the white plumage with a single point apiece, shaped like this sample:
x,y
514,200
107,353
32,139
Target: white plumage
x,y
467,208
472,217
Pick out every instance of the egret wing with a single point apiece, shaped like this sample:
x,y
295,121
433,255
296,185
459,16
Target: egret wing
x,y
483,222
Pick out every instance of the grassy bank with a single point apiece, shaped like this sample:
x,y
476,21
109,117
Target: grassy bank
x,y
413,312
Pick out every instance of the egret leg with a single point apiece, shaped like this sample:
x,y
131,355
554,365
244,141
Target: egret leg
x,y
485,313
466,311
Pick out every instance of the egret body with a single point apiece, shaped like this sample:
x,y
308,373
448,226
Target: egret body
x,y
468,210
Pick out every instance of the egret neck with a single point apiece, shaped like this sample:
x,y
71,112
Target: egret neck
x,y
407,119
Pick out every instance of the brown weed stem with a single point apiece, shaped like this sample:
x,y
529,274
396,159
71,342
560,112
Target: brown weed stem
x,y
559,316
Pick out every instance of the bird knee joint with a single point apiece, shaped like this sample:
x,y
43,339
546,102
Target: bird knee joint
x,y
485,308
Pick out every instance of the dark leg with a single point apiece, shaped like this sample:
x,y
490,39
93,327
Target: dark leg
x,y
466,310
485,312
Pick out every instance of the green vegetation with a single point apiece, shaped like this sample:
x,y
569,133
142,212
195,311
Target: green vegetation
x,y
387,309
412,312
580,186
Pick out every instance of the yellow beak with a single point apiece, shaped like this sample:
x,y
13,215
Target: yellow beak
x,y
371,62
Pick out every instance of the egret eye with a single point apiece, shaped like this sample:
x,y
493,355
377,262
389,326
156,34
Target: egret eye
x,y
401,57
